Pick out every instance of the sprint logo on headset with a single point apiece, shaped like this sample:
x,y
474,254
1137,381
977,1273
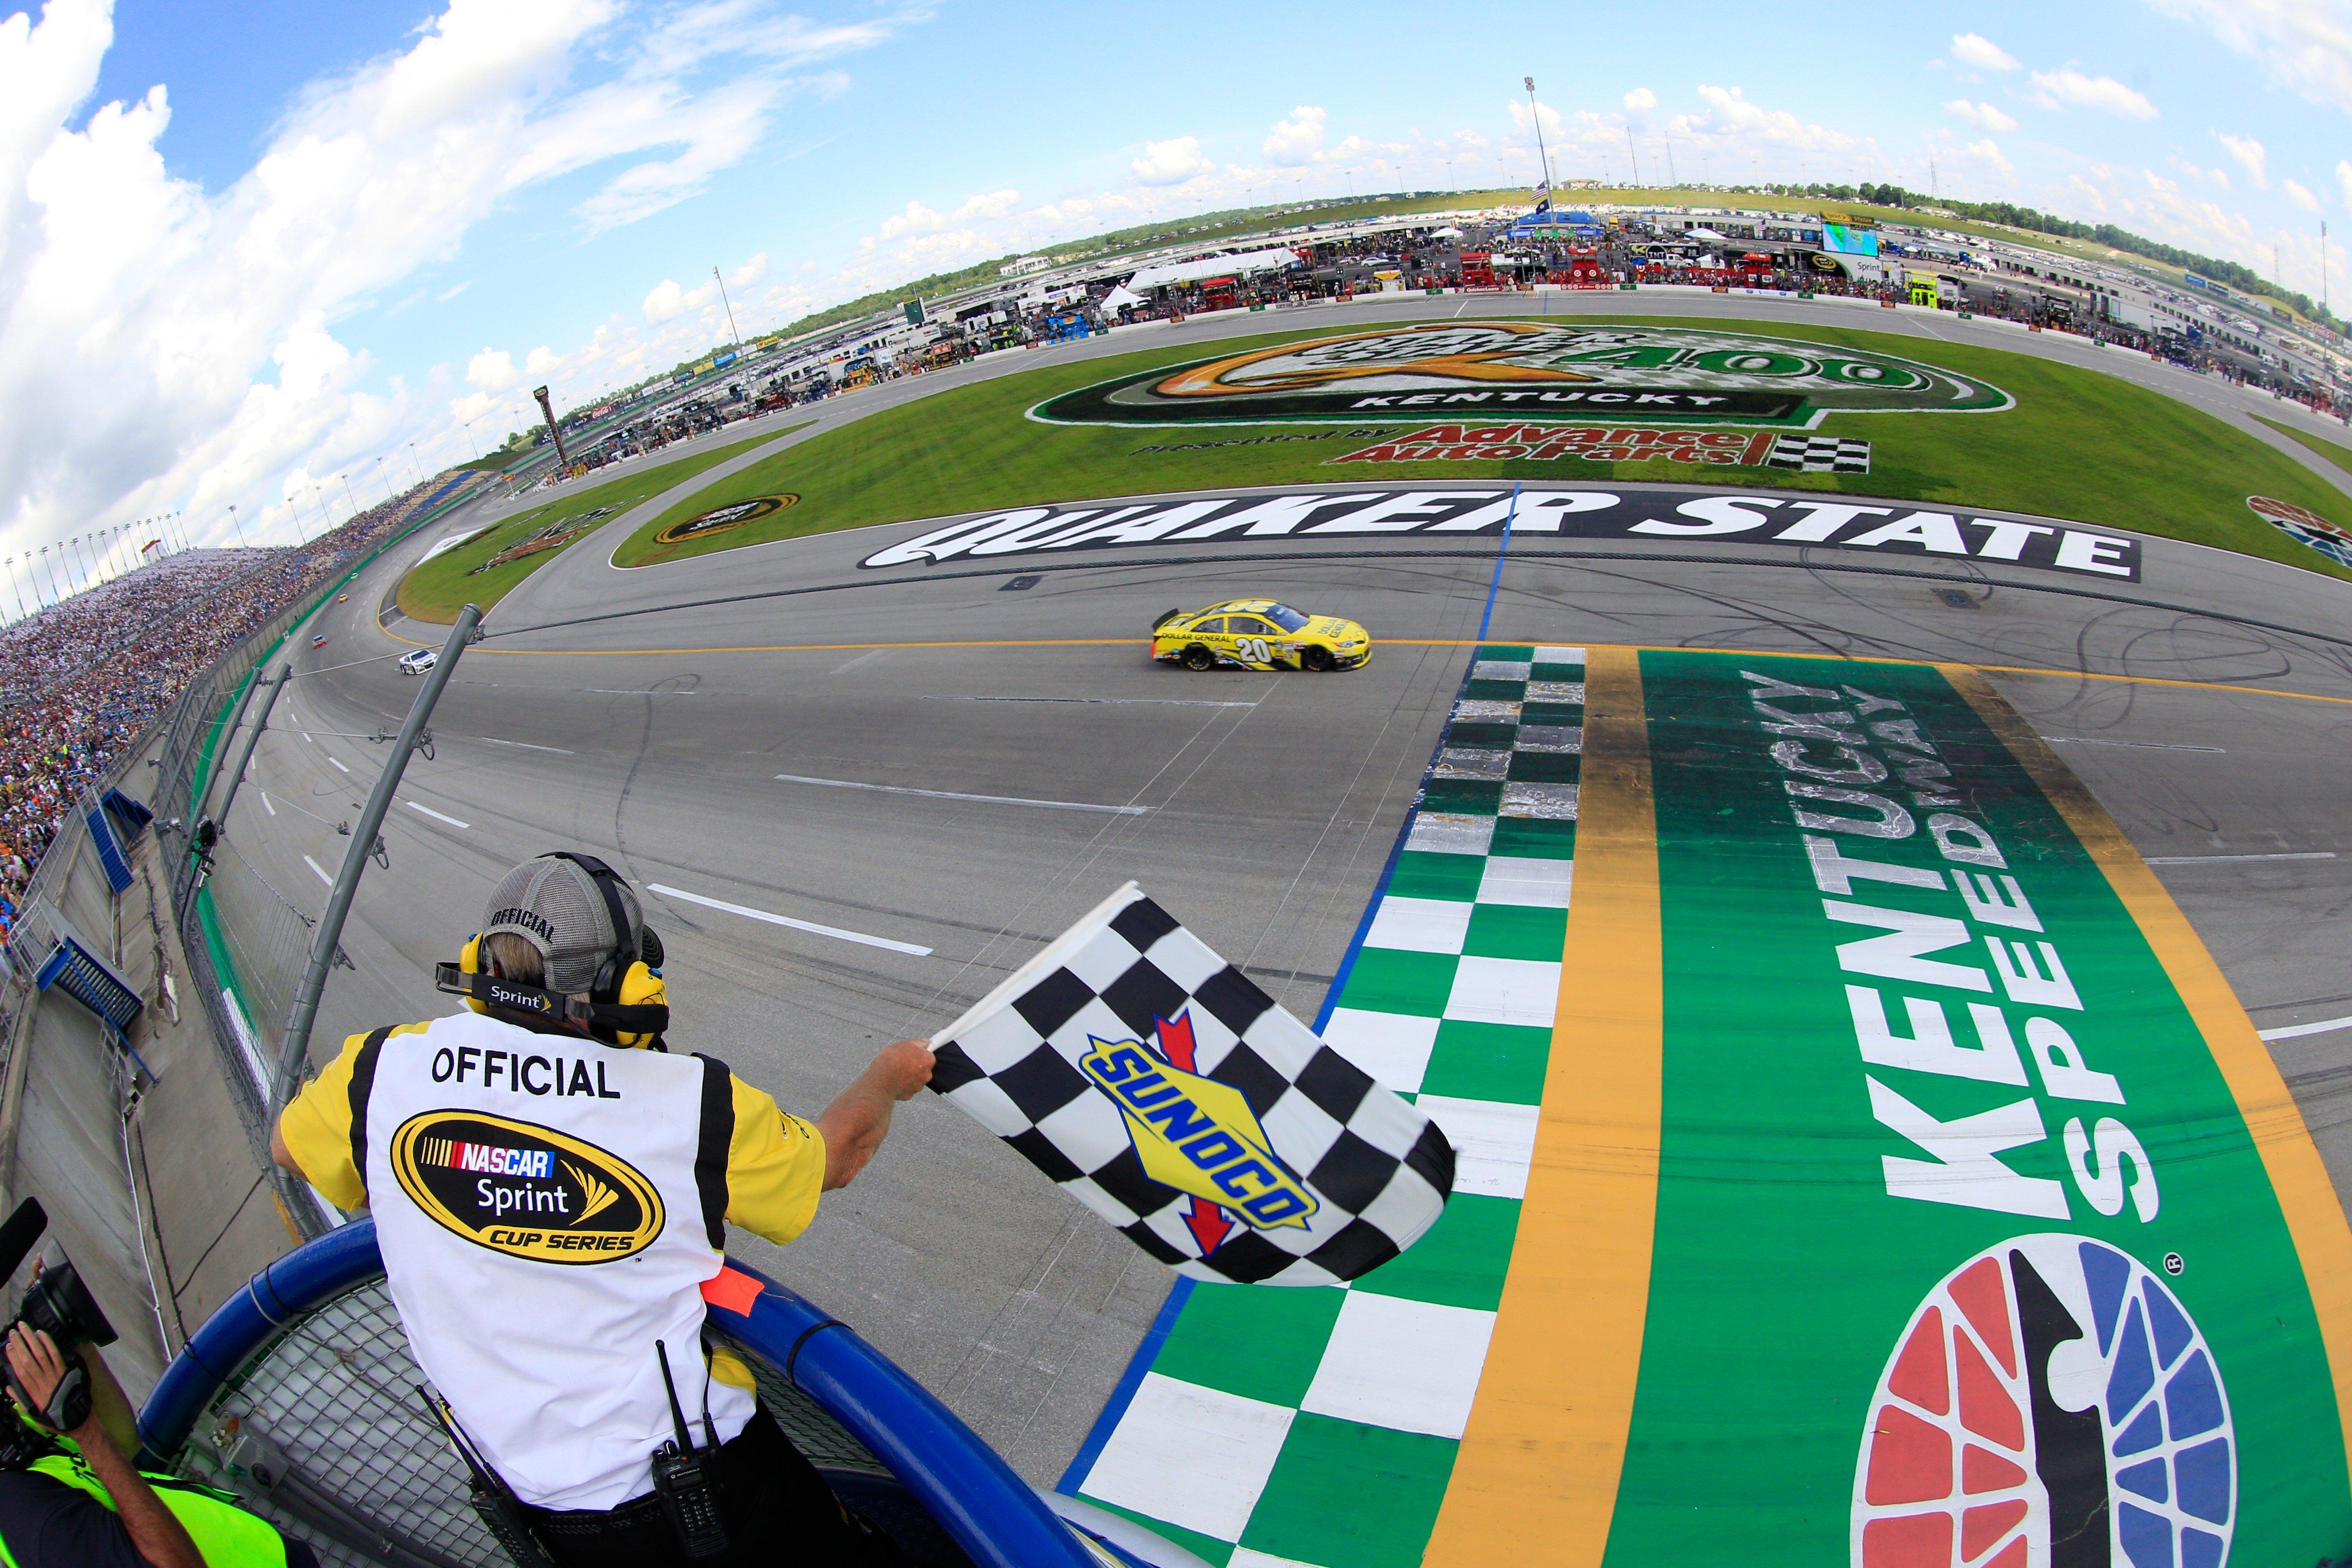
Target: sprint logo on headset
x,y
525,1190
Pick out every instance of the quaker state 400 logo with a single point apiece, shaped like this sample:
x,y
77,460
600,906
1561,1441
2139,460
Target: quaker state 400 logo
x,y
1517,369
2051,1401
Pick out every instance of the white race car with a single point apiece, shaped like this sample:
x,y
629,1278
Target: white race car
x,y
418,662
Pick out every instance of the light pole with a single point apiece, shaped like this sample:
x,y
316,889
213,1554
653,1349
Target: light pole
x,y
346,479
385,482
735,339
236,525
1543,158
50,572
414,463
12,583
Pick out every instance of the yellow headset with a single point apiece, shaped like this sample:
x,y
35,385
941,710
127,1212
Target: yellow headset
x,y
628,1002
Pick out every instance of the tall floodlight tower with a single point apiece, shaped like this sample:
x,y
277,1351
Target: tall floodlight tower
x,y
734,337
547,412
1543,158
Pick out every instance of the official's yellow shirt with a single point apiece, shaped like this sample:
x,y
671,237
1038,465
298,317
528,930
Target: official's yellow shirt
x,y
775,1161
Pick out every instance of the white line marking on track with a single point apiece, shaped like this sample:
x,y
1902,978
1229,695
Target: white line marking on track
x,y
856,936
524,745
2136,745
265,802
1113,701
437,817
959,795
306,740
614,692
2209,859
2294,1031
337,761
320,874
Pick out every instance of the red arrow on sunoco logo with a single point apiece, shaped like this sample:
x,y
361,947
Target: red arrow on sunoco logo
x,y
1209,1224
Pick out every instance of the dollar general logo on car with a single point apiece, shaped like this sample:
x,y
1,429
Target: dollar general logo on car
x,y
1483,369
525,1190
1197,1135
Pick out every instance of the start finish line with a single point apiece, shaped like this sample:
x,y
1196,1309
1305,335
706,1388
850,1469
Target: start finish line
x,y
1896,1183
1743,516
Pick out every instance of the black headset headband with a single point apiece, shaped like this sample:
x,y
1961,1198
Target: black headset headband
x,y
608,882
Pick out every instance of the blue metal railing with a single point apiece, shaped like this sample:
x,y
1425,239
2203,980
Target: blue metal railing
x,y
998,1519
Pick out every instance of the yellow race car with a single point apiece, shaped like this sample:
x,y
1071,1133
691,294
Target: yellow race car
x,y
1257,634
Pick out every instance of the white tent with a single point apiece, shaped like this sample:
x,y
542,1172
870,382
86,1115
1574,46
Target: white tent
x,y
1213,267
1703,233
1448,233
1119,299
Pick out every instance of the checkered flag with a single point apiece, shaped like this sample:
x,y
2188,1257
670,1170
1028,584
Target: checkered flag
x,y
1165,1091
1820,455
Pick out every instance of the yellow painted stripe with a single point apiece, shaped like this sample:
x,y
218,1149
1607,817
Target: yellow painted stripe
x,y
2314,1217
1535,1480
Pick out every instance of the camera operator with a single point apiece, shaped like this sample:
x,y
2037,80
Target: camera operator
x,y
550,1202
72,1500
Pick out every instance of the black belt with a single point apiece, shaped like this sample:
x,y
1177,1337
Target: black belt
x,y
620,1519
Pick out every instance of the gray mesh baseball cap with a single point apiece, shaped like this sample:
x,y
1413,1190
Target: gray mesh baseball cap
x,y
556,906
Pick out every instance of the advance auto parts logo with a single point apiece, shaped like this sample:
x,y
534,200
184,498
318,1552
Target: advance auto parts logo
x,y
2050,1403
525,1190
2304,527
1465,370
719,518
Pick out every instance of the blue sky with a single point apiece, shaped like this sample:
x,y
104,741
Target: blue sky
x,y
245,248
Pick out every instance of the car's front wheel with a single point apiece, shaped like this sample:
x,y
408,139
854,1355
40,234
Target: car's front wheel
x,y
1198,657
1316,658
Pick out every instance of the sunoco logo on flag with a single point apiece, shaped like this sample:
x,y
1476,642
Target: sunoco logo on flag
x,y
1161,1088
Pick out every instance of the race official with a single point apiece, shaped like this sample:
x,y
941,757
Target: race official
x,y
550,1198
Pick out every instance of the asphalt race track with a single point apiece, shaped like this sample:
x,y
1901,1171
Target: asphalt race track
x,y
969,768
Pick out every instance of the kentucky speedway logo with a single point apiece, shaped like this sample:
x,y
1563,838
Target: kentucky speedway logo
x,y
719,519
524,1190
1197,1135
1495,369
2305,527
2050,1403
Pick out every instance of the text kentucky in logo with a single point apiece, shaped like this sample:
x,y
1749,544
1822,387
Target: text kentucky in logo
x,y
1197,1135
1487,370
2050,1405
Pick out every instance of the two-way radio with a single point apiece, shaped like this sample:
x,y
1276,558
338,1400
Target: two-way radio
x,y
501,1510
686,1478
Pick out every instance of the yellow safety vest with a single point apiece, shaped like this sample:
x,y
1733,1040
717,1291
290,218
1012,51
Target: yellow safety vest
x,y
226,1535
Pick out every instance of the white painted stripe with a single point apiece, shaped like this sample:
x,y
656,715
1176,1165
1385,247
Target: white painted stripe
x,y
856,936
612,692
2136,745
265,801
2212,859
337,761
306,740
437,817
2296,1031
314,868
524,745
959,795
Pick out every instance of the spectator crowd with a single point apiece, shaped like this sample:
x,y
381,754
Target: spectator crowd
x,y
82,680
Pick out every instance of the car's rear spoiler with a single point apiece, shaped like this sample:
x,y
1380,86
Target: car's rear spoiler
x,y
1166,618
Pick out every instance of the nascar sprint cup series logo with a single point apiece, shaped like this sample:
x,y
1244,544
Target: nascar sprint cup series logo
x,y
525,1190
1529,368
2050,1405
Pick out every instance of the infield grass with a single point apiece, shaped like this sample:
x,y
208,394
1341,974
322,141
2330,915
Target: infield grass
x,y
2079,445
2336,452
437,590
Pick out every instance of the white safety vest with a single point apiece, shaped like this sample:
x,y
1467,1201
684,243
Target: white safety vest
x,y
548,1207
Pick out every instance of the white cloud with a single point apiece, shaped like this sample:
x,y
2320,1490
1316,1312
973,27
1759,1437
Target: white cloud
x,y
1639,99
1989,154
1974,49
1545,115
213,308
542,360
1296,140
1732,115
1170,163
2305,44
1980,116
2214,177
2343,180
2071,86
751,272
2250,155
667,301
2300,196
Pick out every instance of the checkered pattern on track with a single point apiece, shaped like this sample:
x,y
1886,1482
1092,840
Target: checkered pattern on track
x,y
1273,1428
1820,455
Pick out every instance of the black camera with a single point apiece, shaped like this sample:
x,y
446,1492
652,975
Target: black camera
x,y
59,1304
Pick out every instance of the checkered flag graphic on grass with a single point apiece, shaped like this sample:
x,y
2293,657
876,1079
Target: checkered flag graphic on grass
x,y
1161,1088
1820,455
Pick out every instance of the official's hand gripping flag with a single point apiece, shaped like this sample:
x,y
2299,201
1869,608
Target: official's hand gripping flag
x,y
1165,1091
